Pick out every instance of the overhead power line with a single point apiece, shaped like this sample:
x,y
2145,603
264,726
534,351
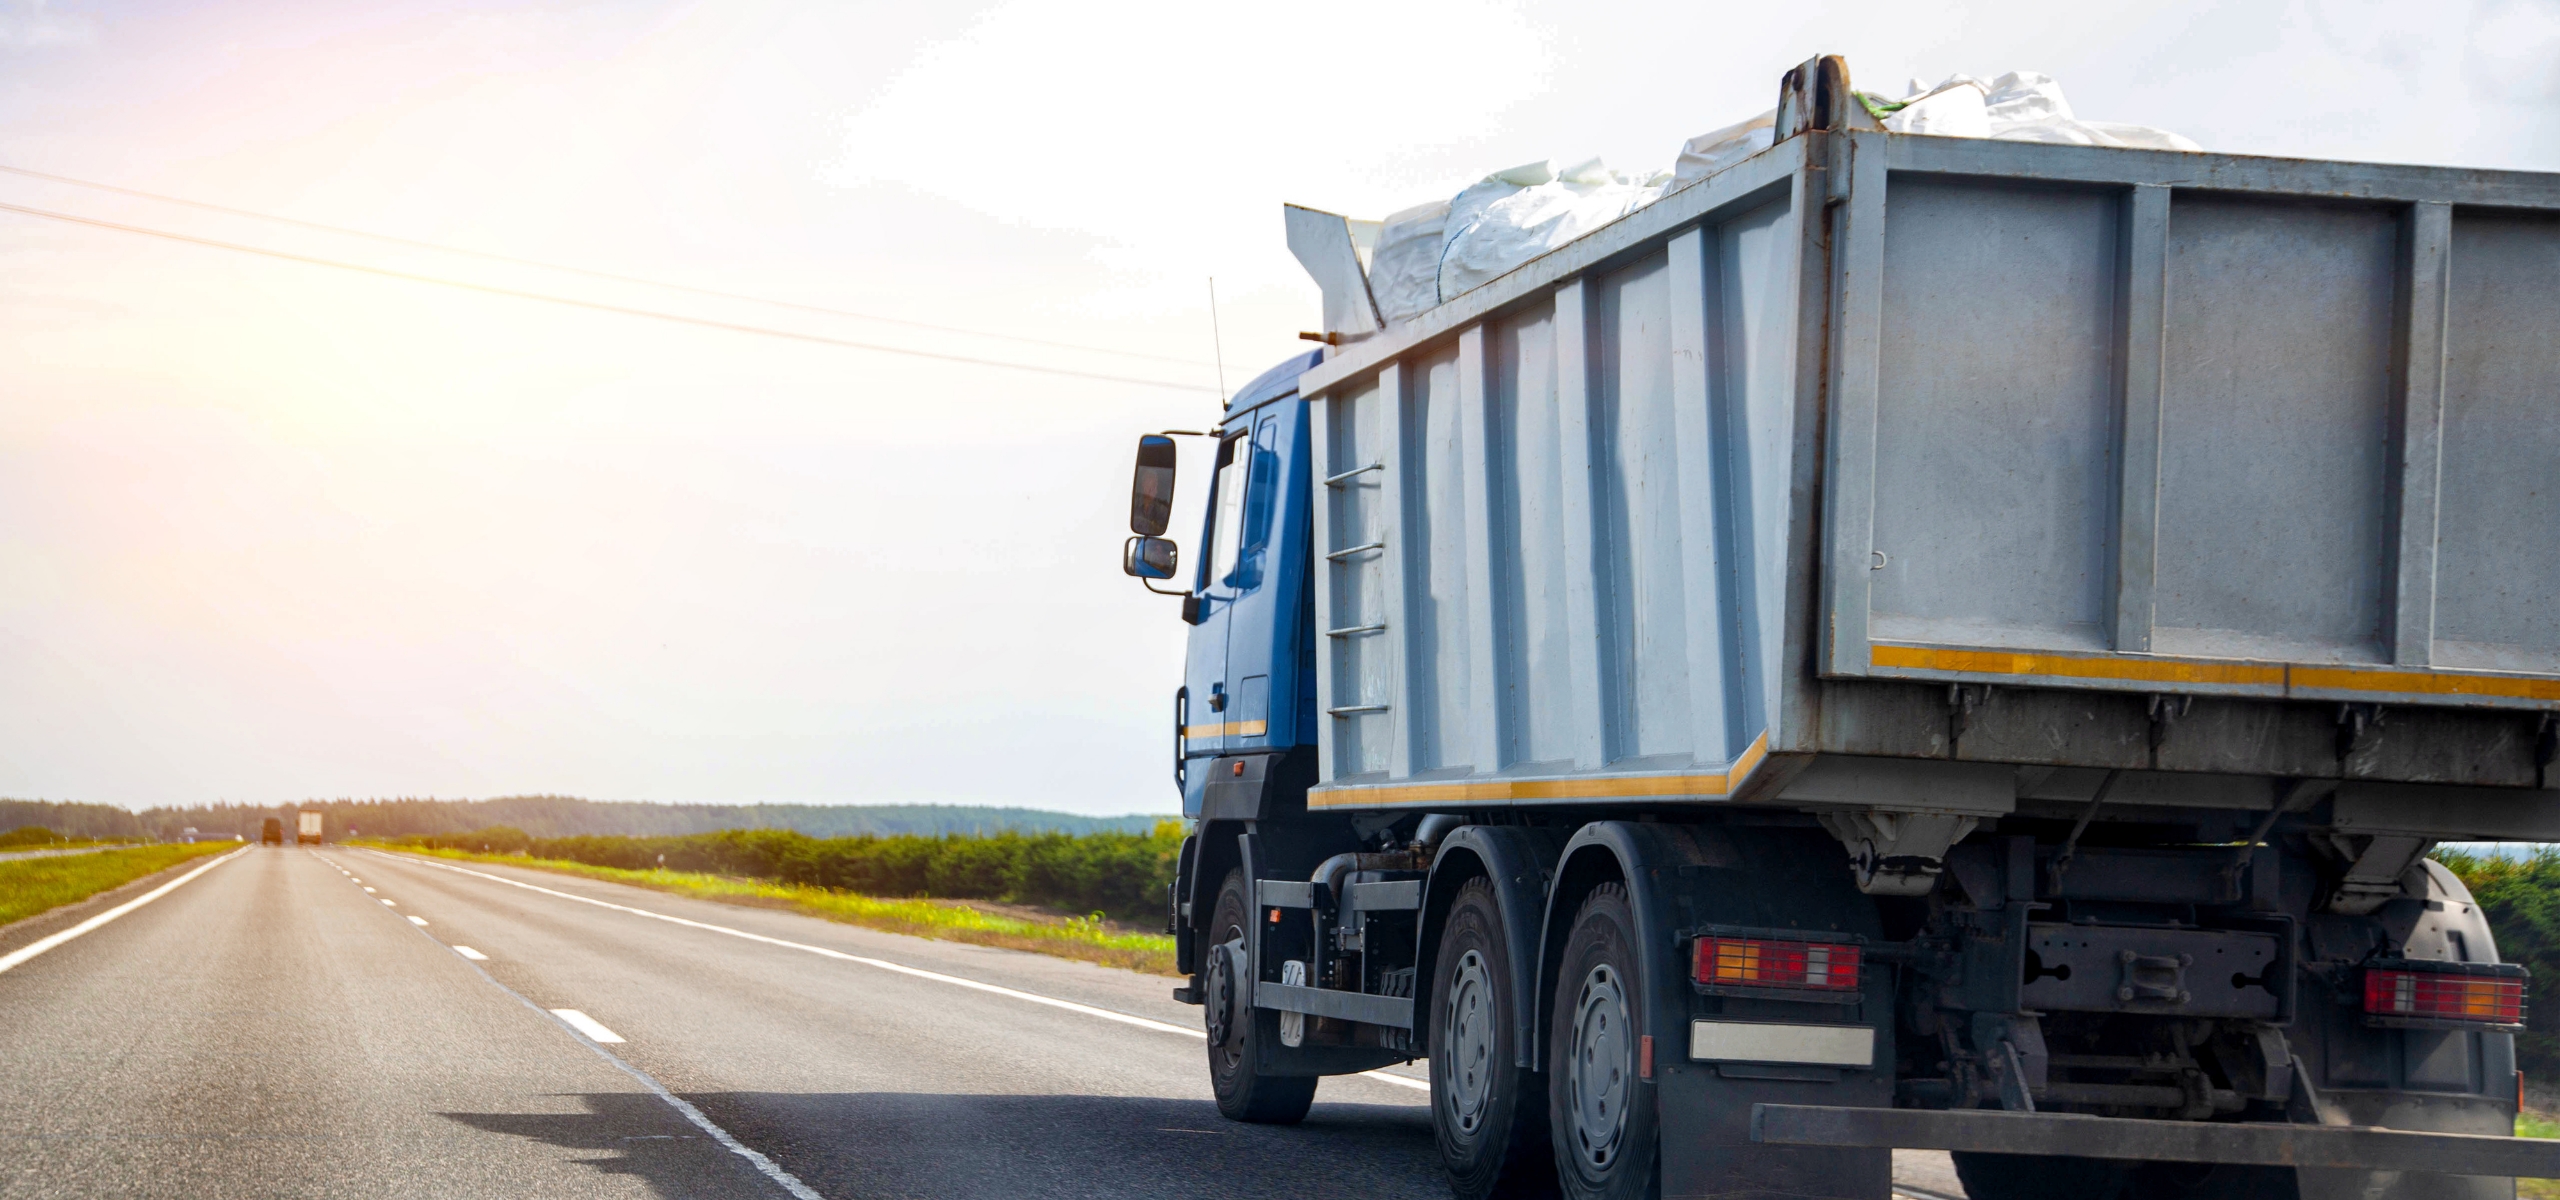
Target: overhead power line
x,y
441,248
592,305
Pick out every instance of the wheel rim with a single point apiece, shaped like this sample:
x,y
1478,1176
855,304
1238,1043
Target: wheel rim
x,y
1468,1021
1219,1003
1597,1077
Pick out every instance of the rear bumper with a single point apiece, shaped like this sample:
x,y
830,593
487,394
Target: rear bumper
x,y
2354,1147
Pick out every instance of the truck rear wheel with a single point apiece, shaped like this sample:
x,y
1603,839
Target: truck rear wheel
x,y
1244,1092
1606,1136
1489,1112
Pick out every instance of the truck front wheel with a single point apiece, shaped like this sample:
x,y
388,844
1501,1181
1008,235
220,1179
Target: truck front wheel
x,y
1489,1112
1607,1140
1235,1027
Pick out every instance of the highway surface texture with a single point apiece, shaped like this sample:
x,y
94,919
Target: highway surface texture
x,y
335,1022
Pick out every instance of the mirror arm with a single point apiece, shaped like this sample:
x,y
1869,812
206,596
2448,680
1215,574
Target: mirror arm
x,y
1151,586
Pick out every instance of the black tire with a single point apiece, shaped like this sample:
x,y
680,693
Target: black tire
x,y
2022,1177
1607,1136
1244,1094
1489,1113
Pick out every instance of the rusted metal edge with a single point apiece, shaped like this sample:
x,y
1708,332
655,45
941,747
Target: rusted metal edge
x,y
2307,177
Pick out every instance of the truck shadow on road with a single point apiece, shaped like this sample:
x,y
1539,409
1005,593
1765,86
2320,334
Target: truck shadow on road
x,y
877,1145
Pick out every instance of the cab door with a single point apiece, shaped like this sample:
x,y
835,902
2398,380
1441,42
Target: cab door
x,y
1209,697
1258,622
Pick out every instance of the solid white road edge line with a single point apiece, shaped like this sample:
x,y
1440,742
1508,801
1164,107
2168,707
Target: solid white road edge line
x,y
883,964
587,1025
40,945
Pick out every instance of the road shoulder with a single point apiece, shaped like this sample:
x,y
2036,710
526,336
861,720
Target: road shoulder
x,y
60,917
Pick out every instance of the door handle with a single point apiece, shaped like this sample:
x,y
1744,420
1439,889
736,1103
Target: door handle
x,y
1181,715
1217,697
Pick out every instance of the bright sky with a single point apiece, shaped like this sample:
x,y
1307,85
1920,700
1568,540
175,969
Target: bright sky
x,y
270,530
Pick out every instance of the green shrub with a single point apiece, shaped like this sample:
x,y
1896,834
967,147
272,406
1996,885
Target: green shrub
x,y
2521,898
28,835
1120,875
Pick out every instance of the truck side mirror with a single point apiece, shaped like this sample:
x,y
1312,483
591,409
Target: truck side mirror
x,y
1150,557
1151,494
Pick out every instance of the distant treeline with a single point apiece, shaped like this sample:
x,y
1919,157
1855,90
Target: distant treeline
x,y
557,816
76,820
1121,875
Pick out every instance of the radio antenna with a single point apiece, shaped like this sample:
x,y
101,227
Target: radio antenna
x,y
1218,341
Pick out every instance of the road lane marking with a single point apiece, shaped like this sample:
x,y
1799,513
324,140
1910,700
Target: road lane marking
x,y
420,922
368,891
40,945
770,1169
1419,1085
883,964
587,1025
787,1181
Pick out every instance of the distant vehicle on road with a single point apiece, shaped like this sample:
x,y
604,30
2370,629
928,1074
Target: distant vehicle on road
x,y
271,833
309,832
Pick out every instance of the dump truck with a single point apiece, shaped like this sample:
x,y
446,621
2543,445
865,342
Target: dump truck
x,y
307,829
1907,641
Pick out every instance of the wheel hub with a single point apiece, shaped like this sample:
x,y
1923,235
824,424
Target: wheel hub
x,y
1219,1000
1469,1019
1599,1075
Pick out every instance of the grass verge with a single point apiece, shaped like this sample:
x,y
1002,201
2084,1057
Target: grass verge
x,y
1087,939
2537,1125
32,885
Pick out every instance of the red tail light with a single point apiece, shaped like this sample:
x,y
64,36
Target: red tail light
x,y
1762,963
2450,993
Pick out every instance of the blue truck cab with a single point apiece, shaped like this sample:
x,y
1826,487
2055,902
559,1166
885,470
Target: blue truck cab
x,y
1248,688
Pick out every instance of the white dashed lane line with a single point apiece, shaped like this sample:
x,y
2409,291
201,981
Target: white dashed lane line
x,y
587,1025
592,1033
420,922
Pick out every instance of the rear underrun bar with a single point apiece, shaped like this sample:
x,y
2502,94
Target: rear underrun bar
x,y
2355,1147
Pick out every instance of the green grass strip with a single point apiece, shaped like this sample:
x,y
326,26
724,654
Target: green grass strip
x,y
1083,938
32,885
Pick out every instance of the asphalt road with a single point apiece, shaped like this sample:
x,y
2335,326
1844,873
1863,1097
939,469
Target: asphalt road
x,y
274,1028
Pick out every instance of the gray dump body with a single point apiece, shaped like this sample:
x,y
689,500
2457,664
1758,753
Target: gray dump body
x,y
1952,475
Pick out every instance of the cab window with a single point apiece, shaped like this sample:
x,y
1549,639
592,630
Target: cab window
x,y
1262,486
1227,505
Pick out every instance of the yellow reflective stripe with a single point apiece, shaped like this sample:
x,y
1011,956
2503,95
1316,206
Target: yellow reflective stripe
x,y
2430,683
1230,729
1607,787
2072,666
2250,674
